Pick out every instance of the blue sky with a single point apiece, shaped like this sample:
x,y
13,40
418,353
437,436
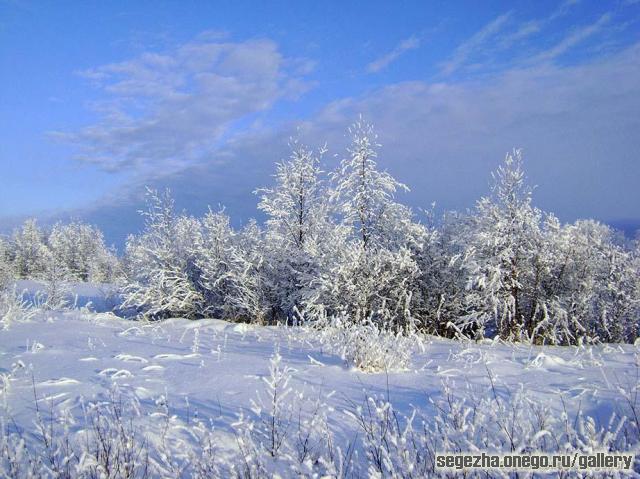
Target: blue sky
x,y
98,99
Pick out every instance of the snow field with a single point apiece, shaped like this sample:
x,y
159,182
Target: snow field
x,y
184,382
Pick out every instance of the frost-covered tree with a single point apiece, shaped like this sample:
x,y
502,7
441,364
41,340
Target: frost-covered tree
x,y
295,206
504,252
532,278
55,277
161,263
365,195
29,250
591,293
80,247
371,270
617,300
439,300
251,297
105,267
215,263
298,220
365,286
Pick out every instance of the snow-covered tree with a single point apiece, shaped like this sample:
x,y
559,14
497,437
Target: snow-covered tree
x,y
504,255
365,195
617,300
215,262
29,250
591,293
365,286
532,278
55,277
251,291
440,292
371,271
105,267
161,263
298,220
80,247
295,206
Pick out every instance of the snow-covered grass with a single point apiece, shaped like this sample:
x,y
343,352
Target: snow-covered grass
x,y
366,345
87,394
13,307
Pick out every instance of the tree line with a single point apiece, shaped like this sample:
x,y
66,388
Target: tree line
x,y
340,243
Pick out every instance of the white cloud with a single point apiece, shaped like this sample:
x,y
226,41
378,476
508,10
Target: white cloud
x,y
384,61
165,110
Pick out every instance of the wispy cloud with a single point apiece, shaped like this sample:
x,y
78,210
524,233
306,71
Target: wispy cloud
x,y
160,111
533,27
384,61
563,9
525,30
574,38
500,43
469,47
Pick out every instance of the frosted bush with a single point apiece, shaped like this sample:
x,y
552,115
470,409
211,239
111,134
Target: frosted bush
x,y
287,431
365,345
275,409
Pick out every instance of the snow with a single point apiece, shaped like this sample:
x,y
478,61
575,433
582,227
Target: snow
x,y
212,369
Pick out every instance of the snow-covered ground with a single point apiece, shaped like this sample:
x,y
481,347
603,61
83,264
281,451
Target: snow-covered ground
x,y
178,373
